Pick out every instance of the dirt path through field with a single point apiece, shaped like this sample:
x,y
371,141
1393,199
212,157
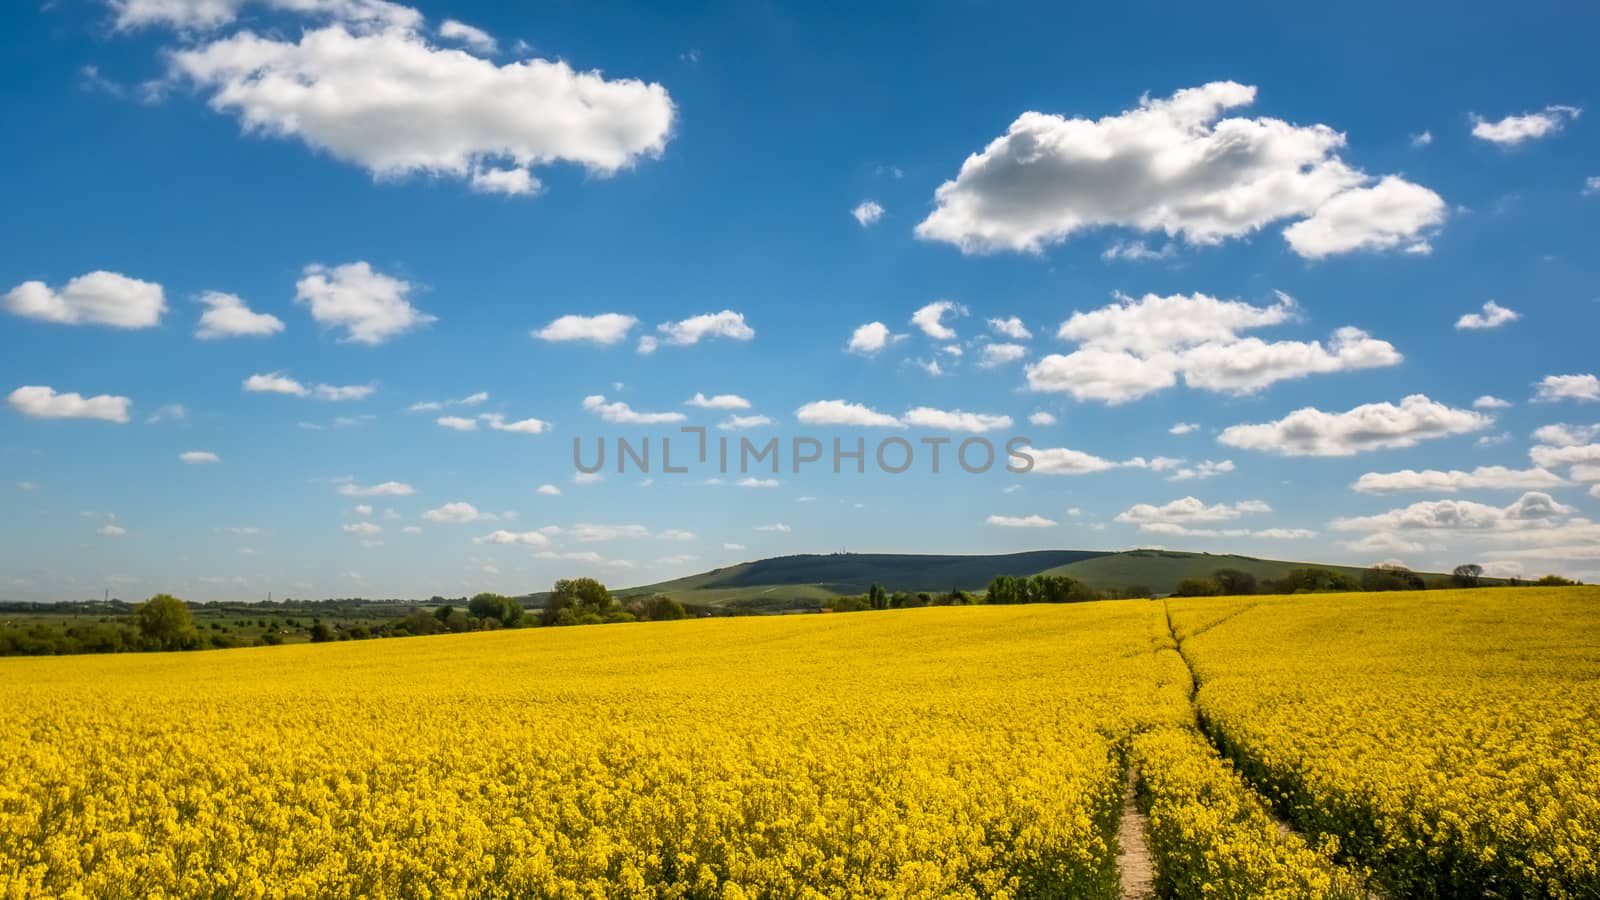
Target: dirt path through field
x,y
1134,869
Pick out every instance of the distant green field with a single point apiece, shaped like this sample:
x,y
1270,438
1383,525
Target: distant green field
x,y
1161,570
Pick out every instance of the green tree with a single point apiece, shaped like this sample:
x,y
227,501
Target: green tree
x,y
1197,587
1467,575
1234,582
582,600
662,608
321,633
498,607
877,597
164,623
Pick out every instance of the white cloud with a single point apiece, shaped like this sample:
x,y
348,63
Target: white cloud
x,y
457,423
112,530
719,401
386,489
1001,354
363,528
411,529
275,383
867,213
930,319
1202,470
1591,185
458,512
1183,428
42,402
1568,387
436,405
1064,461
1188,510
588,532
501,536
363,509
777,527
171,411
676,534
1422,139
955,420
726,324
1563,435
1373,426
497,422
839,412
751,482
191,15
604,329
1040,417
1532,509
227,316
1137,251
1386,542
737,423
1493,316
98,298
1034,521
1488,401
370,306
587,478
1483,477
1392,213
342,392
1574,455
1136,347
620,413
195,457
549,490
390,102
870,338
733,546
1010,327
1513,130
475,38
1170,165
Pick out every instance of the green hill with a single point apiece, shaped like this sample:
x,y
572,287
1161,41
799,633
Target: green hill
x,y
809,581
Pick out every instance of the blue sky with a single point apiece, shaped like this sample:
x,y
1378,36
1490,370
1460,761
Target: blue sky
x,y
1263,224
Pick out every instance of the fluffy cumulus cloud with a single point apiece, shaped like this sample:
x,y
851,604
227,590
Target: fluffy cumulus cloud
x,y
1584,388
279,383
1174,165
1372,426
499,422
1192,517
1513,130
370,306
1493,316
228,316
548,490
740,423
1202,470
955,420
840,412
457,423
98,298
726,324
43,402
1563,435
994,355
1034,521
1066,461
1010,327
930,319
604,329
867,213
198,457
718,401
589,532
1532,510
476,39
385,98
211,14
1136,347
620,413
869,338
458,512
1489,401
1433,480
528,538
1040,417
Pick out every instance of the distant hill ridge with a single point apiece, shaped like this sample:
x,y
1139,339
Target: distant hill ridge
x,y
810,578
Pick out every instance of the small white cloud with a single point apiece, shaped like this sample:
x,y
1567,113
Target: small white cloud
x,y
198,457
42,402
529,538
776,527
720,401
227,316
1040,417
587,478
386,489
589,532
111,530
733,546
739,423
867,213
1421,139
342,392
457,513
98,298
1010,327
497,422
726,324
930,319
363,528
1513,130
955,420
457,423
1203,469
839,412
620,413
1591,185
1394,213
1489,401
752,482
1583,388
275,383
170,412
870,338
549,490
1001,354
1021,522
604,329
363,509
1493,316
477,399
370,306
1138,251
1372,426
1433,480
475,38
1183,428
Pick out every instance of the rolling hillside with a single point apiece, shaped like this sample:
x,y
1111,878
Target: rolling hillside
x,y
789,582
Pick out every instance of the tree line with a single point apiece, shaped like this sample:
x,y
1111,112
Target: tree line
x,y
1383,577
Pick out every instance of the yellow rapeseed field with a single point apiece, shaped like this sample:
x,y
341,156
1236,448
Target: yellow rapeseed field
x,y
945,752
1449,739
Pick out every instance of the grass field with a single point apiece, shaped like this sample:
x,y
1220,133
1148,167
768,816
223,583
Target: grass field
x,y
967,752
